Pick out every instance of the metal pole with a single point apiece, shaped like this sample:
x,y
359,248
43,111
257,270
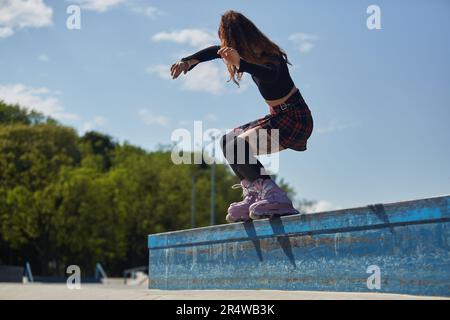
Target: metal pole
x,y
213,183
193,202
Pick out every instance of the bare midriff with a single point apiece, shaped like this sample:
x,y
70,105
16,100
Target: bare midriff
x,y
276,102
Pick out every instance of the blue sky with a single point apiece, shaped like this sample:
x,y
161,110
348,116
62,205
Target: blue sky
x,y
379,98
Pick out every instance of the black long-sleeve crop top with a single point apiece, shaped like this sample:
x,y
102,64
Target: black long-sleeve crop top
x,y
272,79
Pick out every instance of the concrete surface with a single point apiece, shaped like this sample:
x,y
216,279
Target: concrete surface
x,y
122,292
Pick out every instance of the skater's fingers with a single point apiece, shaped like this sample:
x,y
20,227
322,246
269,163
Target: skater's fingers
x,y
179,67
227,50
175,67
172,70
175,74
222,51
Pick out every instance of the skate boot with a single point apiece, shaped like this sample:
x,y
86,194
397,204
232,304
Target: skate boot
x,y
238,211
272,201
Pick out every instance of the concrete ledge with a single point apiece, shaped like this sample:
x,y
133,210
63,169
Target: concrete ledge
x,y
330,251
38,291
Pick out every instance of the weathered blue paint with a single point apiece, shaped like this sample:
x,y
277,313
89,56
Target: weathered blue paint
x,y
409,241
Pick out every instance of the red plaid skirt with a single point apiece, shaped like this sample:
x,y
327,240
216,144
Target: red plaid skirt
x,y
294,123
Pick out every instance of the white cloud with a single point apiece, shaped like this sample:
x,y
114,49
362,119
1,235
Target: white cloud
x,y
184,123
333,126
106,5
302,36
43,58
21,14
206,77
305,47
151,12
98,121
210,117
98,5
304,41
161,70
39,99
320,206
192,37
6,32
87,126
150,118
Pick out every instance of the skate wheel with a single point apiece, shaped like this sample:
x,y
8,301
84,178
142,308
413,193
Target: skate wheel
x,y
227,218
271,215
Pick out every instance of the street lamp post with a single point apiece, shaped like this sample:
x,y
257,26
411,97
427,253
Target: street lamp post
x,y
213,182
212,220
193,201
197,170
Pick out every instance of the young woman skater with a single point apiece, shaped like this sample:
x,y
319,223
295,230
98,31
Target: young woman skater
x,y
244,48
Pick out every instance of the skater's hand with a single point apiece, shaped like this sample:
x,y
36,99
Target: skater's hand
x,y
230,55
178,67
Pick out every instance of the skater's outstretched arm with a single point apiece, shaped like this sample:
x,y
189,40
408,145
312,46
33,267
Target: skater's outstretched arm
x,y
187,63
206,54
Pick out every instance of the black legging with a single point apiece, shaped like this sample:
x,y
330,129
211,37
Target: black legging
x,y
240,157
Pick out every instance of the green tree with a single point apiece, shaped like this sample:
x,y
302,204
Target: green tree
x,y
32,156
66,199
97,149
14,114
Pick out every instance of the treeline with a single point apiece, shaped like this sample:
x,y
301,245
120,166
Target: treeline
x,y
69,199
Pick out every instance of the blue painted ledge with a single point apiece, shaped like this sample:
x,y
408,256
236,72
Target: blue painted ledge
x,y
331,251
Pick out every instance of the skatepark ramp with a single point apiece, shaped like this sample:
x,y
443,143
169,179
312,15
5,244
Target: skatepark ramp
x,y
401,247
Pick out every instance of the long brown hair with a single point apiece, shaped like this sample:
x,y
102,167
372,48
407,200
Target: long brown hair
x,y
238,32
